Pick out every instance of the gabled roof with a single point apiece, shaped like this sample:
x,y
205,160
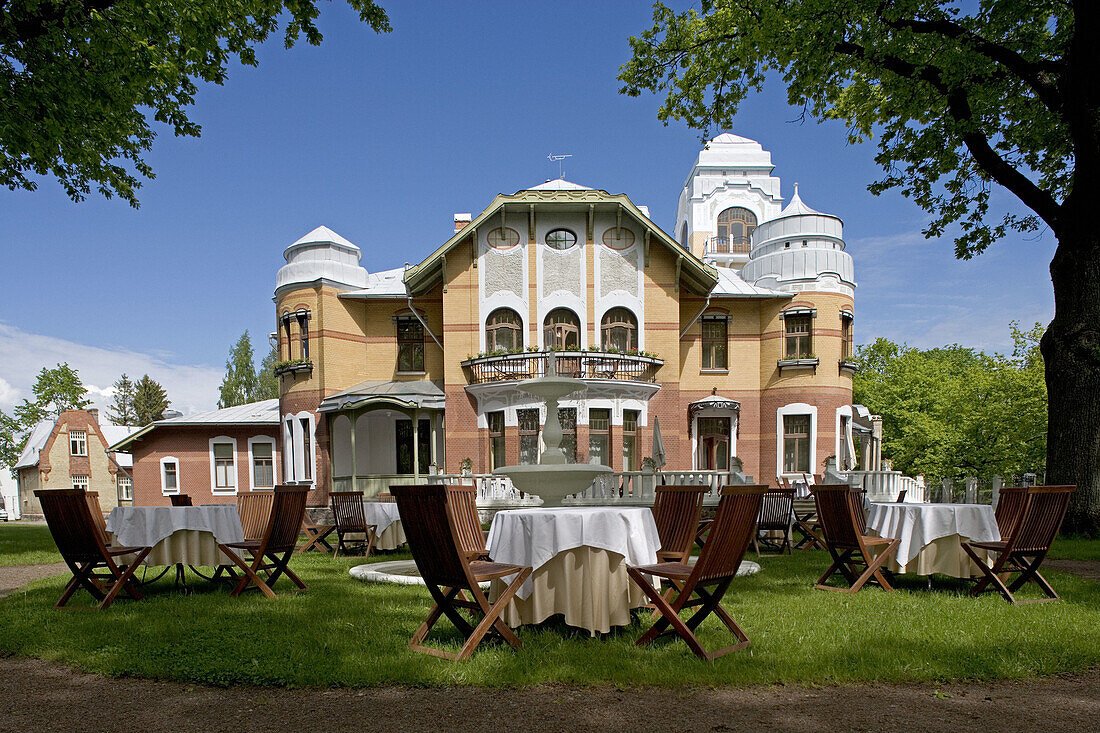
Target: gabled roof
x,y
263,413
699,276
36,441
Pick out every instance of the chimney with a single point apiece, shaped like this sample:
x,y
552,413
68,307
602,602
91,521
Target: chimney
x,y
94,412
461,220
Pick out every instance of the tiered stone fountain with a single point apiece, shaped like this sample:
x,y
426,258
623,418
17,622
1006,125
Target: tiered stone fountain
x,y
552,478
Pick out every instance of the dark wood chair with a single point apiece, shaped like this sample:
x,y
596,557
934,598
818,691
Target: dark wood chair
x,y
709,578
776,515
272,552
384,496
97,516
432,530
901,496
82,547
676,512
1027,544
181,500
463,502
349,517
844,533
255,511
807,525
1010,506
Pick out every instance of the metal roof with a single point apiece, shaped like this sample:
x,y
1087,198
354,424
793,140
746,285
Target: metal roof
x,y
420,393
265,412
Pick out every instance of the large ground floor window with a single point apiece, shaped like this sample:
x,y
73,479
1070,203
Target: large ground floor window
x,y
714,443
796,444
404,442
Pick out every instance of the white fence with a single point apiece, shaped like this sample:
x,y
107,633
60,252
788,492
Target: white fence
x,y
887,485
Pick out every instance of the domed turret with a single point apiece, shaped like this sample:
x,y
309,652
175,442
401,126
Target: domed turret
x,y
801,249
321,255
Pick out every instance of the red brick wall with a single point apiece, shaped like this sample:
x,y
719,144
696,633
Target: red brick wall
x,y
190,445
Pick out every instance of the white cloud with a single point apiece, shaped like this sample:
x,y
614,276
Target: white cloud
x,y
9,395
190,387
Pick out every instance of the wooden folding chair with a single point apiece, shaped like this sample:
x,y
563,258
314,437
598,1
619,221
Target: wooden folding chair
x,y
432,530
350,517
807,525
181,500
709,578
776,515
255,511
1026,546
82,547
463,502
272,552
844,533
1010,506
676,512
97,516
901,496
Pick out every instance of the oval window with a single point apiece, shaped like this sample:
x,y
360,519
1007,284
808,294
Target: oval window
x,y
502,238
560,239
618,238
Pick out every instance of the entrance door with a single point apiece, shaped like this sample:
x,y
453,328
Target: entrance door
x,y
405,446
714,443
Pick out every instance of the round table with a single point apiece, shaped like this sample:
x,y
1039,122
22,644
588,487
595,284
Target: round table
x,y
579,556
931,534
179,535
390,535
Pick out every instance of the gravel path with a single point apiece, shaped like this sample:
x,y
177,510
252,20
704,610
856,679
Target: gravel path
x,y
16,576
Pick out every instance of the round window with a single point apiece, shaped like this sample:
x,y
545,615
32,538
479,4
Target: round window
x,y
502,238
561,238
618,238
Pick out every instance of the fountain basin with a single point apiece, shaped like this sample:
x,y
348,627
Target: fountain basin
x,y
552,483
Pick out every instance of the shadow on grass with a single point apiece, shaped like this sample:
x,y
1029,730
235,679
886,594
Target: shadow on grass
x,y
346,633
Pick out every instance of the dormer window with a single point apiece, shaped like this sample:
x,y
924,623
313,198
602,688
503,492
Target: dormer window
x,y
560,239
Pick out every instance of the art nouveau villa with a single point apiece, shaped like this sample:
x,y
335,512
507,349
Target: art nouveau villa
x,y
735,332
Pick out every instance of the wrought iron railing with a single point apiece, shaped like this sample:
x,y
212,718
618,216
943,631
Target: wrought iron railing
x,y
576,364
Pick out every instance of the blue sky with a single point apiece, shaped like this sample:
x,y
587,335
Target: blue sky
x,y
383,138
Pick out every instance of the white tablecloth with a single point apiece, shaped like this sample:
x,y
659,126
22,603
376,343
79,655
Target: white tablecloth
x,y
925,525
531,537
144,526
381,513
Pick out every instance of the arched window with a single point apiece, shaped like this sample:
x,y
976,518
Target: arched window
x,y
684,234
503,330
735,224
560,239
619,329
562,329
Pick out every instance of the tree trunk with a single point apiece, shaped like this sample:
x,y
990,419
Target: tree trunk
x,y
1071,351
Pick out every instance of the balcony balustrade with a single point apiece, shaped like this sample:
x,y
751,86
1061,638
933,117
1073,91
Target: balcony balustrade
x,y
726,246
577,364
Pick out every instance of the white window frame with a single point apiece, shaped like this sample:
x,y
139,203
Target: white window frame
x,y
223,490
126,481
294,445
84,484
164,490
83,442
252,463
796,408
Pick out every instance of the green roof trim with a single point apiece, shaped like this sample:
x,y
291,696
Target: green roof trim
x,y
701,277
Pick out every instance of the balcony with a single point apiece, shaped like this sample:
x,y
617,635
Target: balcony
x,y
594,365
726,251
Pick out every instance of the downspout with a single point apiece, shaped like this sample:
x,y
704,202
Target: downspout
x,y
697,315
425,325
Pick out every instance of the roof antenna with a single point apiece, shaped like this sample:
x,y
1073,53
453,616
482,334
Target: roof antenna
x,y
558,159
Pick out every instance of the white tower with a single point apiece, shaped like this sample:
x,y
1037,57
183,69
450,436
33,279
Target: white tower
x,y
729,192
322,257
800,250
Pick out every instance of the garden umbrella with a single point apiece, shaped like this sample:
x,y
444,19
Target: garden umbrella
x,y
658,445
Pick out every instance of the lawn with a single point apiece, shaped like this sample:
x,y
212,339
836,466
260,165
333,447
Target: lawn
x,y
26,544
345,633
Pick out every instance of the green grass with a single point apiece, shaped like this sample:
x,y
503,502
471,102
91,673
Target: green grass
x,y
1075,548
26,544
345,633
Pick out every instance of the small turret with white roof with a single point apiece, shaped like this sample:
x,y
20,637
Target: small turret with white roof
x,y
801,249
322,255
